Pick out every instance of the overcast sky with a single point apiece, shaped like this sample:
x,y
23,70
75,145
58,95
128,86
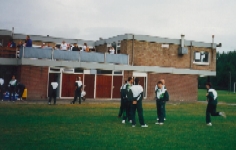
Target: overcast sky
x,y
91,19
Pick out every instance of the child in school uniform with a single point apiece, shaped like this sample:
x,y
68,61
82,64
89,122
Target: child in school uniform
x,y
212,103
161,97
137,97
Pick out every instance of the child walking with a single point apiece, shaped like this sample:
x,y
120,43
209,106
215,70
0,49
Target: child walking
x,y
212,104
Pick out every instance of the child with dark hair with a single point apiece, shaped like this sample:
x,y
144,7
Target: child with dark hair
x,y
137,95
212,104
161,97
12,88
122,96
53,93
1,88
20,89
78,90
126,102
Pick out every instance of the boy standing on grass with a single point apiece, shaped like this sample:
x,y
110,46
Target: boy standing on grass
x,y
78,90
163,87
137,92
1,88
126,102
122,96
53,93
161,97
212,103
12,88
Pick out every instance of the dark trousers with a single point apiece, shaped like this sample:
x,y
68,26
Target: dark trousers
x,y
77,94
139,109
164,107
1,92
53,95
126,109
211,111
121,107
12,92
21,91
160,111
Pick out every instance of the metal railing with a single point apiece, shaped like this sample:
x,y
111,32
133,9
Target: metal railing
x,y
80,56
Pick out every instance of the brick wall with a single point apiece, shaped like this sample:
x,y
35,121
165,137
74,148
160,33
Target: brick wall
x,y
35,79
152,54
127,74
180,87
102,48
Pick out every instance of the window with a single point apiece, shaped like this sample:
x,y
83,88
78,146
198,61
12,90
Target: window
x,y
79,70
117,72
201,58
55,69
104,71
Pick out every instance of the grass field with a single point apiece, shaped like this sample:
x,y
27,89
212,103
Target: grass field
x,y
223,96
96,126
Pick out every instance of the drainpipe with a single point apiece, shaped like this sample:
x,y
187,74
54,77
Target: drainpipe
x,y
182,40
12,33
132,50
212,51
191,57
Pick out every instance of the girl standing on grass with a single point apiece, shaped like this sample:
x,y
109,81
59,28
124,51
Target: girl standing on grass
x,y
212,103
161,97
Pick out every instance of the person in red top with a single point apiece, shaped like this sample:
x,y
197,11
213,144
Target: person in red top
x,y
11,44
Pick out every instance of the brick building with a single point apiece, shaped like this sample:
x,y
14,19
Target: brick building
x,y
180,62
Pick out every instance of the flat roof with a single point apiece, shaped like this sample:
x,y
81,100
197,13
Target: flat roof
x,y
114,39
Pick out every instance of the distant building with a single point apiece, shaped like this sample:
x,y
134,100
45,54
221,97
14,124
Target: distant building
x,y
180,62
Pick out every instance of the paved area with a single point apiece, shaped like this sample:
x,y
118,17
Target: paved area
x,y
88,101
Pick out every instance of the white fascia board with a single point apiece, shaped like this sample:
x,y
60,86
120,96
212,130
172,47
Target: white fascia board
x,y
97,66
206,73
12,61
157,69
184,71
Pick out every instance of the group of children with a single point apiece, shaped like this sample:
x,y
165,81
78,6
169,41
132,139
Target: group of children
x,y
132,96
78,93
131,101
13,87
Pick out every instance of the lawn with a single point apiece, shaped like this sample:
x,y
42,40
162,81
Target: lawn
x,y
223,96
96,126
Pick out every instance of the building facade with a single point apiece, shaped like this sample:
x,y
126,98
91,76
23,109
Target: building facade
x,y
180,62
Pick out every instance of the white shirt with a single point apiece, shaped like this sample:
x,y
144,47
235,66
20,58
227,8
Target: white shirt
x,y
137,90
156,87
83,48
63,46
213,92
1,81
54,85
112,51
12,82
160,92
79,83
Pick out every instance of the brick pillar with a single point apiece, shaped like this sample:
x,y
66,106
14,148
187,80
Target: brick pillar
x,y
35,79
127,74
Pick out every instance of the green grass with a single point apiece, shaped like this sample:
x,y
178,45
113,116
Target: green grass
x,y
96,126
223,96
